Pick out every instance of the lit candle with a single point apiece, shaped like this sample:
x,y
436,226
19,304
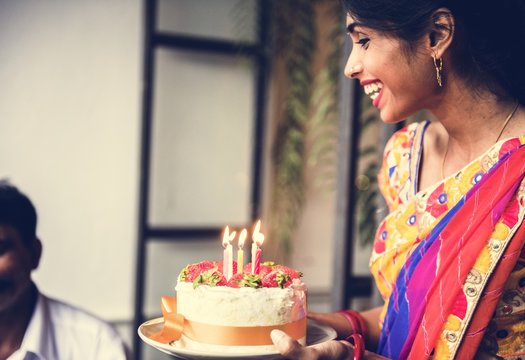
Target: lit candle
x,y
254,250
240,252
258,239
257,262
227,264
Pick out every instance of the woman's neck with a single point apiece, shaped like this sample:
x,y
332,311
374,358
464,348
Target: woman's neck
x,y
471,122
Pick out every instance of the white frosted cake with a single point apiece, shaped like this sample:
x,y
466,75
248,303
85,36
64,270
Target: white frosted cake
x,y
238,315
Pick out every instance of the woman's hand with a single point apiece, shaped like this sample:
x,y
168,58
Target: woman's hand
x,y
291,349
333,349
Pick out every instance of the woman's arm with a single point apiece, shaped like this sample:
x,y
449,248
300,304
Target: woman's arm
x,y
372,323
343,328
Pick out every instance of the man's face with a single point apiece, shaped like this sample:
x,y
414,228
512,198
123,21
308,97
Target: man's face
x,y
17,260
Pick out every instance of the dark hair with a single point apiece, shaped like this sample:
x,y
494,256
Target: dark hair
x,y
489,36
17,211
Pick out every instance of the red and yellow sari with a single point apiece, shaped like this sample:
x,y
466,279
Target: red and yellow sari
x,y
449,260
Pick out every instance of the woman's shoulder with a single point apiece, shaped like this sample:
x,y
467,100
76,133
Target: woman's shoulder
x,y
400,152
435,135
400,143
403,137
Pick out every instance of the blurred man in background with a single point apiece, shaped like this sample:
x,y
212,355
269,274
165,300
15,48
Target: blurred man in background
x,y
33,326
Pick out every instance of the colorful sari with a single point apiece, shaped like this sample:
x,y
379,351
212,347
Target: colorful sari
x,y
448,260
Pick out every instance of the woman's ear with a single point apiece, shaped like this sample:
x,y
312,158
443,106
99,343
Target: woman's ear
x,y
442,32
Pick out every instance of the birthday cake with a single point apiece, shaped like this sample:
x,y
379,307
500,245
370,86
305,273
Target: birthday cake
x,y
237,314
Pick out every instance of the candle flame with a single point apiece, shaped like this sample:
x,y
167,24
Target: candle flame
x,y
242,238
227,237
257,227
257,236
260,239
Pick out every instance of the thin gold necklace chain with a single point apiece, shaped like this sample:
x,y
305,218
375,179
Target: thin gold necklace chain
x,y
505,123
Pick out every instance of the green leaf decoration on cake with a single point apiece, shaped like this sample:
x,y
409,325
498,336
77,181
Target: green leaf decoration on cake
x,y
183,274
251,280
281,279
197,281
209,277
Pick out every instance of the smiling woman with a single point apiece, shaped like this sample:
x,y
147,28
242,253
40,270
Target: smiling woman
x,y
400,93
449,258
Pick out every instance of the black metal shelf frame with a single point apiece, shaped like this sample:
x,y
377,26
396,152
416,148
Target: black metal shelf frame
x,y
153,40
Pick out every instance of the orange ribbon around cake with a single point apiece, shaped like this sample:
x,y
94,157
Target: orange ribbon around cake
x,y
175,325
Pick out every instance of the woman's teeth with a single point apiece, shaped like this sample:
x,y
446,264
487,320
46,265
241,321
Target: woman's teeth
x,y
373,89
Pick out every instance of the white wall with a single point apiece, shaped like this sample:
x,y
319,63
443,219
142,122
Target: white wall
x,y
70,86
69,125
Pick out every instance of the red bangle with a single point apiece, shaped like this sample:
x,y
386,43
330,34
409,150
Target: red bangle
x,y
359,346
356,321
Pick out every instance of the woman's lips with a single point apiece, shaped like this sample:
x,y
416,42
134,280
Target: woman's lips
x,y
374,89
376,101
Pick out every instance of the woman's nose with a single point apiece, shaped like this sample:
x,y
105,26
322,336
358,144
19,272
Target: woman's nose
x,y
353,67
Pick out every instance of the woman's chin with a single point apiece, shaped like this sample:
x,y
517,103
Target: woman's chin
x,y
389,118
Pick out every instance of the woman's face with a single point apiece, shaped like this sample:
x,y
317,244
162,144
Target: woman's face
x,y
398,83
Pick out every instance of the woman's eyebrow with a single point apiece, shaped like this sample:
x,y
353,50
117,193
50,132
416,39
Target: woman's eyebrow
x,y
351,27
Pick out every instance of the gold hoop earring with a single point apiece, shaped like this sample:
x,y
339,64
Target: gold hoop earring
x,y
438,64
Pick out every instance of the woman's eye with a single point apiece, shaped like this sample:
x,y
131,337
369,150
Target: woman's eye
x,y
363,42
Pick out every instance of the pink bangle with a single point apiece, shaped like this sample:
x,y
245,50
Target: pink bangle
x,y
359,346
356,321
